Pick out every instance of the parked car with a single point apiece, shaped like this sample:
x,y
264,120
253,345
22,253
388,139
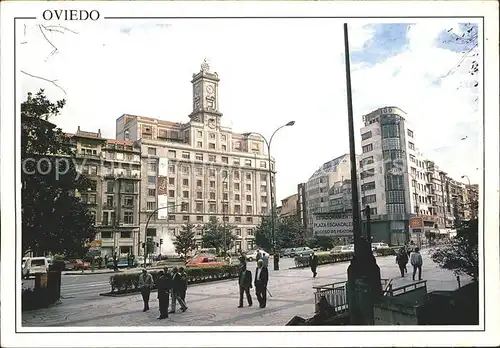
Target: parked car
x,y
140,261
286,252
301,252
204,261
252,254
377,246
341,249
35,265
79,264
68,266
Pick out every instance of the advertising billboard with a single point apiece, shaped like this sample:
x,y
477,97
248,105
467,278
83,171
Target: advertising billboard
x,y
332,224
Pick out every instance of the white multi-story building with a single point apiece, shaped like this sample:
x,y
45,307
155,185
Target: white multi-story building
x,y
317,191
199,169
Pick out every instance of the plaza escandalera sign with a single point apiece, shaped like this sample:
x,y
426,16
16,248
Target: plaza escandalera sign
x,y
332,224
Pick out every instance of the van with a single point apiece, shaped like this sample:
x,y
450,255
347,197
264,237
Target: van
x,y
35,265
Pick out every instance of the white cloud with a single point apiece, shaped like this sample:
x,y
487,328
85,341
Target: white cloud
x,y
271,72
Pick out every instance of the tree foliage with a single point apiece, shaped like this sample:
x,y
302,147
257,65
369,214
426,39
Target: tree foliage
x,y
185,240
461,255
53,218
288,233
218,236
323,242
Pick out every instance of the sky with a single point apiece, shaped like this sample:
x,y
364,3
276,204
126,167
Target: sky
x,y
271,72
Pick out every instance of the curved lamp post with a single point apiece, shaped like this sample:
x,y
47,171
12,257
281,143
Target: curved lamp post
x,y
147,224
268,143
472,207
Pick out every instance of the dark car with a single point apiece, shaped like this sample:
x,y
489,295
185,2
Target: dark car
x,y
301,251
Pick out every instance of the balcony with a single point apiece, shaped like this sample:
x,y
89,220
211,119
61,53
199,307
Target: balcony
x,y
127,191
128,176
88,155
107,206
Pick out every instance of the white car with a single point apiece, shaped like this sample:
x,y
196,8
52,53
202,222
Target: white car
x,y
376,246
140,261
252,255
35,265
342,249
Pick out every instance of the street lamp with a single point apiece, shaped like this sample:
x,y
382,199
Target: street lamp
x,y
268,143
224,208
147,224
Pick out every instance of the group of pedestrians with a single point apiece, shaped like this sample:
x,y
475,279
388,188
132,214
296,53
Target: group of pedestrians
x,y
260,281
171,286
406,254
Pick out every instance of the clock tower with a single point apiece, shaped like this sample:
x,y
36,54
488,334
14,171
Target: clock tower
x,y
206,97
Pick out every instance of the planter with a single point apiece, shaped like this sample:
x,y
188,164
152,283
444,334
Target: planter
x,y
128,283
301,262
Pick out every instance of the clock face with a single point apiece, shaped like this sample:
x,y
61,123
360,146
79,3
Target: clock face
x,y
210,89
211,123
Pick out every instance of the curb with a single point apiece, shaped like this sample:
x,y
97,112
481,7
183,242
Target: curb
x,y
91,273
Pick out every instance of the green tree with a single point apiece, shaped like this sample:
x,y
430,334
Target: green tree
x,y
461,255
218,236
288,233
185,240
323,242
263,237
53,218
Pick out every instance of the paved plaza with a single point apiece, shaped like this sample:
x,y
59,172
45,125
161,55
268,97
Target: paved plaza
x,y
215,303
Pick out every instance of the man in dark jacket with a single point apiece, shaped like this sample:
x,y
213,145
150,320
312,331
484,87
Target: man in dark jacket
x,y
245,284
163,286
261,279
176,291
184,283
313,262
402,260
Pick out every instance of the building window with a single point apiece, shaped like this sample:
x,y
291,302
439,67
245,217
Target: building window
x,y
211,146
199,195
211,208
369,199
171,169
171,217
248,176
199,133
185,206
185,182
199,183
212,135
171,181
211,172
212,184
263,177
395,208
367,148
410,133
211,158
236,175
152,166
223,137
249,198
185,194
411,145
368,186
225,196
248,209
106,235
128,201
238,231
237,186
225,185
225,159
248,163
199,218
237,197
109,201
199,157
110,186
263,164
152,151
212,196
186,155
237,219
199,171
171,193
249,187
250,232
236,161
367,173
199,144
185,170
152,180
263,199
151,232
237,209
366,135
185,218
397,197
171,154
150,206
249,220
128,217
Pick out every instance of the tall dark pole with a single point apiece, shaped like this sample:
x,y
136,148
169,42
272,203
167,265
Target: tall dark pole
x,y
363,275
356,224
224,212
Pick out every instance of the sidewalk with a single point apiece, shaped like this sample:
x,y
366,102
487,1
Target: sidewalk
x,y
215,303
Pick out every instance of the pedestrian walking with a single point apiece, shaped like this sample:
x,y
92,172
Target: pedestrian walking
x,y
176,291
258,256
184,282
265,259
313,263
145,284
402,260
163,286
417,263
242,259
115,263
261,279
245,284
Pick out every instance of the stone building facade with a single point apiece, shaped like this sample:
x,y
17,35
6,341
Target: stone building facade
x,y
115,167
210,170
